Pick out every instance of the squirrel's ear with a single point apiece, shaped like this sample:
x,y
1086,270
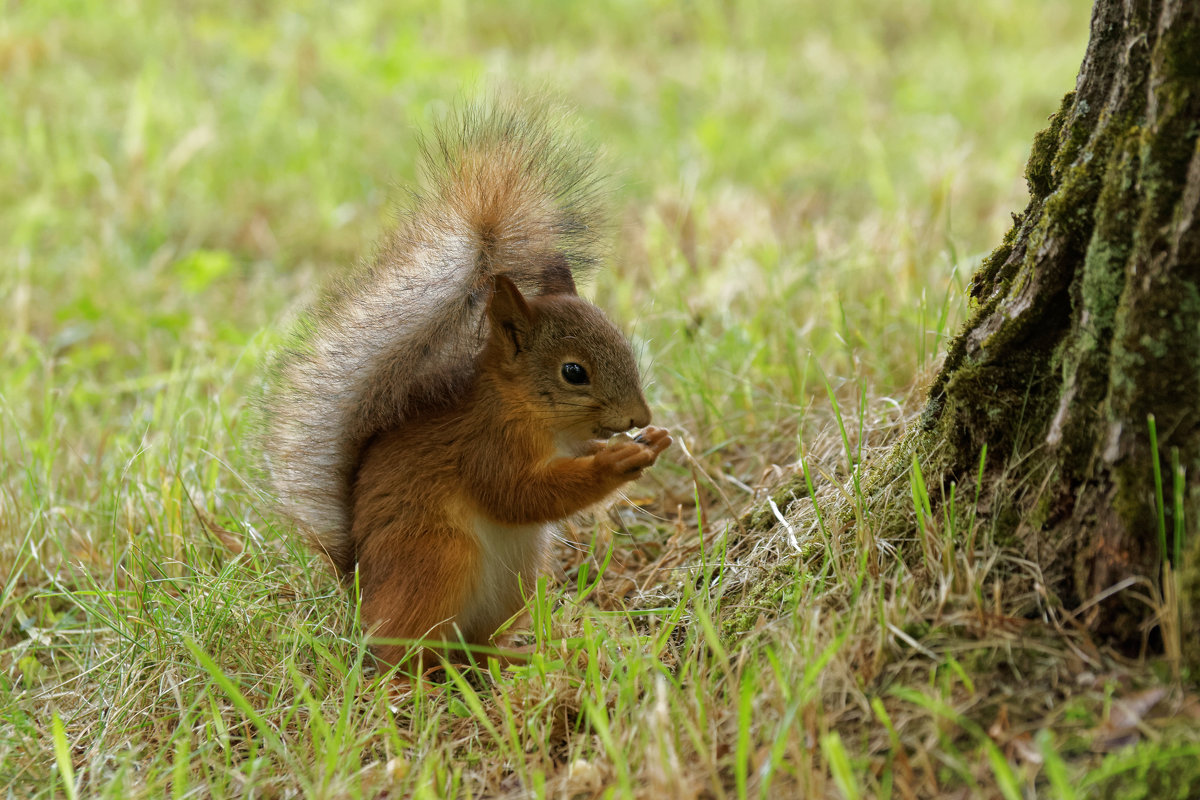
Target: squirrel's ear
x,y
556,277
509,313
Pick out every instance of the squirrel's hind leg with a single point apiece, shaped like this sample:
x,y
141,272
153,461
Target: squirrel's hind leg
x,y
413,591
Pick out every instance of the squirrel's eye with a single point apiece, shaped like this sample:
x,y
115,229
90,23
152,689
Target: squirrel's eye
x,y
574,373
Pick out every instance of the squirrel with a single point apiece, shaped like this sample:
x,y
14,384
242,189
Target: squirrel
x,y
438,411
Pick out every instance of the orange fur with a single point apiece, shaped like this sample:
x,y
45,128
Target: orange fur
x,y
433,497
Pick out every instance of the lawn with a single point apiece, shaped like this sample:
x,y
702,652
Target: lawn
x,y
800,192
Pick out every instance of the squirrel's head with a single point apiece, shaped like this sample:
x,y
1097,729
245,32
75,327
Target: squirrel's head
x,y
575,366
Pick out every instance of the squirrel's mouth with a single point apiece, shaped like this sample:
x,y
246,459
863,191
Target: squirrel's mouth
x,y
608,433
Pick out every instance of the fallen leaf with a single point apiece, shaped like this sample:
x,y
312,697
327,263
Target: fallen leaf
x,y
1121,727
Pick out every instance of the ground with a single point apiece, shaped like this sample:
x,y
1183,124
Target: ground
x,y
801,194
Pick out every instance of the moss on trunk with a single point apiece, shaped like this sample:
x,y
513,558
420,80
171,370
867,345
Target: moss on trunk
x,y
1086,321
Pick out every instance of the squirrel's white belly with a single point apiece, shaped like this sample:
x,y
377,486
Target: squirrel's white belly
x,y
511,559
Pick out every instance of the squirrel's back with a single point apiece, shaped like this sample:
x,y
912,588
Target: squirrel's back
x,y
504,194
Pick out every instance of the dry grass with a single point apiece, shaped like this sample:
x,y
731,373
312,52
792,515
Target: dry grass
x,y
806,188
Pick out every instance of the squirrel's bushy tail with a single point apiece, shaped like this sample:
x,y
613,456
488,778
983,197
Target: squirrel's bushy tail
x,y
505,194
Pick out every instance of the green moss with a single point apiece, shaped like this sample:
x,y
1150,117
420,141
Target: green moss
x,y
1155,355
1042,511
1036,347
1070,211
983,281
761,518
1181,52
1095,294
896,462
1167,148
1000,402
1079,133
1007,522
1038,170
764,596
1161,770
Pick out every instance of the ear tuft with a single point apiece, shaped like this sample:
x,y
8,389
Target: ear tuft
x,y
510,315
556,276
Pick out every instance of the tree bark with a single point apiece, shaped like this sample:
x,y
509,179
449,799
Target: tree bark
x,y
1086,321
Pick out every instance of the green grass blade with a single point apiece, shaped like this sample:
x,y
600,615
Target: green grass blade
x,y
62,756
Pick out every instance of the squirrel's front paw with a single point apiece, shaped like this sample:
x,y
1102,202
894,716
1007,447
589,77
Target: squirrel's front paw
x,y
657,439
628,457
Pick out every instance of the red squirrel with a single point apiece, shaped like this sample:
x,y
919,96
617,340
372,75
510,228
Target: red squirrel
x,y
438,412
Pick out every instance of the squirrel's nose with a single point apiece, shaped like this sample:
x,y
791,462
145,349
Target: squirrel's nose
x,y
642,418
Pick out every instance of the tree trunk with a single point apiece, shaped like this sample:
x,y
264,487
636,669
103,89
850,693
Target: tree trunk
x,y
1086,321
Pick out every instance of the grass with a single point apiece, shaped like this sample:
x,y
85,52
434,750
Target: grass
x,y
802,191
